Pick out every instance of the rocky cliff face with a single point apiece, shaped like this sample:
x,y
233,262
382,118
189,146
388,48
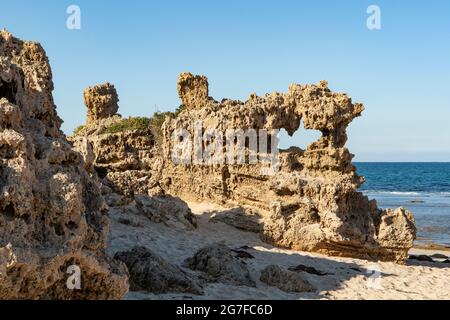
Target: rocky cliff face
x,y
52,216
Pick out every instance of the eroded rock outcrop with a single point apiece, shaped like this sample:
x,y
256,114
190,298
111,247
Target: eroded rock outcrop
x,y
308,198
285,280
52,215
241,219
101,101
123,153
193,90
166,209
220,263
149,272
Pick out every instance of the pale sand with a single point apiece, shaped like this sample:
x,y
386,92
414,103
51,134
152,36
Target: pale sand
x,y
348,279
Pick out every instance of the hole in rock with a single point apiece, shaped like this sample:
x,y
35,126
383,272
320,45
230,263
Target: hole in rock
x,y
9,211
71,225
314,214
59,230
25,217
102,172
301,138
8,90
7,152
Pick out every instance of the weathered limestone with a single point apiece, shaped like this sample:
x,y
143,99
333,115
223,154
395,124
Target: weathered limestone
x,y
128,162
52,215
101,101
239,218
219,263
149,272
285,280
308,199
193,90
311,203
166,209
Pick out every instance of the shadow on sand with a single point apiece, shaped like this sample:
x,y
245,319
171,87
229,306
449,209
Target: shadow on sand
x,y
326,274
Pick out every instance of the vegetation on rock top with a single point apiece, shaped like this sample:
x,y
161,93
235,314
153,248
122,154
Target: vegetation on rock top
x,y
136,123
78,129
128,124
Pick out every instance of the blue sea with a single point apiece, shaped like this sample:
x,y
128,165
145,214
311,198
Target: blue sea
x,y
422,188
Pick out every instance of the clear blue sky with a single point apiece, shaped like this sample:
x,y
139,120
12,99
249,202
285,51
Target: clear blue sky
x,y
401,72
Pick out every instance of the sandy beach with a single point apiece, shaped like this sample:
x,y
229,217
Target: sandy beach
x,y
345,278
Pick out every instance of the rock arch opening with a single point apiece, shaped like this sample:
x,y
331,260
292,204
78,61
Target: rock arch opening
x,y
300,139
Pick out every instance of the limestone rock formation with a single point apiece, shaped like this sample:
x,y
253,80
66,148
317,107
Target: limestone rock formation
x,y
227,152
241,219
149,272
166,209
308,198
193,90
101,101
219,263
285,280
52,215
122,152
126,161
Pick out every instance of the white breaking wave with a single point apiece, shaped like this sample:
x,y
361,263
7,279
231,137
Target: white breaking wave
x,y
406,193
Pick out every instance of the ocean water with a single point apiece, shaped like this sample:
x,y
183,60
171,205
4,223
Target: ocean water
x,y
422,188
